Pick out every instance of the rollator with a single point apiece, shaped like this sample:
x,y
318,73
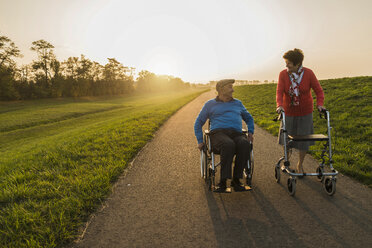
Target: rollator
x,y
208,166
327,177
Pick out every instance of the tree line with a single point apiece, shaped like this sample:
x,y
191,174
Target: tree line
x,y
47,77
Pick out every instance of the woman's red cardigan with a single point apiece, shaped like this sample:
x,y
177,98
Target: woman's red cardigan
x,y
308,82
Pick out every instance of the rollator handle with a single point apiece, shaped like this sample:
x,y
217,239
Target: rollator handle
x,y
323,114
279,117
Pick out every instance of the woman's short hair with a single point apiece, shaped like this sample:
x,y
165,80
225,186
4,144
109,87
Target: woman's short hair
x,y
296,56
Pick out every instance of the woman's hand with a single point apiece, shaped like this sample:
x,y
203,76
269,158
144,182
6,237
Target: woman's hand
x,y
279,109
321,108
200,146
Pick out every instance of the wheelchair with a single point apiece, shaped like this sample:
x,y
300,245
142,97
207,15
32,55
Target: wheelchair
x,y
327,178
208,165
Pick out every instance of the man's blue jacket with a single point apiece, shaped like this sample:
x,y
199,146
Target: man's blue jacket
x,y
223,115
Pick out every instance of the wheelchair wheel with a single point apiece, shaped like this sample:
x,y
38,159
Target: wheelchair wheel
x,y
211,181
252,160
330,185
208,181
320,171
291,186
277,173
249,169
207,172
204,164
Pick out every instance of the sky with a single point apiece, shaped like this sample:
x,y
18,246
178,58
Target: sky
x,y
199,40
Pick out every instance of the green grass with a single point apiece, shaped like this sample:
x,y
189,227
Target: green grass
x,y
59,159
349,101
18,115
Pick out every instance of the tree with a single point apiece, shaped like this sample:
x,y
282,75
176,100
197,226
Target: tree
x,y
71,67
46,57
177,84
7,89
8,50
97,71
116,78
144,81
23,74
114,70
84,70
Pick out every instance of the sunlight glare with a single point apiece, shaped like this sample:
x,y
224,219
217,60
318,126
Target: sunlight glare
x,y
161,60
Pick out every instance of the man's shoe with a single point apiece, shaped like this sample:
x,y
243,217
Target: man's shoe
x,y
238,186
221,187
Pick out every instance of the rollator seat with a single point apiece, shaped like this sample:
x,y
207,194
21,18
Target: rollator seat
x,y
315,137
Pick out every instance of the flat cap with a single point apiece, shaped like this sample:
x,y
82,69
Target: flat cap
x,y
224,82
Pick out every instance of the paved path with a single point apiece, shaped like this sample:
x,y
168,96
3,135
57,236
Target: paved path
x,y
162,202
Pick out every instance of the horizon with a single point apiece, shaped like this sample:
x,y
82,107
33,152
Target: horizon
x,y
199,41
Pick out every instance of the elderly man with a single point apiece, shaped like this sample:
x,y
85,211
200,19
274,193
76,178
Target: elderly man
x,y
226,114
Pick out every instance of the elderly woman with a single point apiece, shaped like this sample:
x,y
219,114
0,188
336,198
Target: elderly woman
x,y
293,95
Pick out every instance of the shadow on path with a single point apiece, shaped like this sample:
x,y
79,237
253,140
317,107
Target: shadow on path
x,y
248,230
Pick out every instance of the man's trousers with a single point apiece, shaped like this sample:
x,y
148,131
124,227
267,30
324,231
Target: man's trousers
x,y
227,143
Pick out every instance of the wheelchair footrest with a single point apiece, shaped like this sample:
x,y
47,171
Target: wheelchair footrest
x,y
247,188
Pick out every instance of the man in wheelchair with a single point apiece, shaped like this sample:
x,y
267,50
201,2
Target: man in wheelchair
x,y
227,139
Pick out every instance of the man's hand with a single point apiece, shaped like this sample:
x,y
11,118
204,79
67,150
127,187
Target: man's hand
x,y
250,137
279,109
321,108
200,146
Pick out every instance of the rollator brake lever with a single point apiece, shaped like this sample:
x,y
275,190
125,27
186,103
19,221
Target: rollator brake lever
x,y
323,114
278,118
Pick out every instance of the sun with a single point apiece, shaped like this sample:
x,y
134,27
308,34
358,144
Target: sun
x,y
162,61
161,66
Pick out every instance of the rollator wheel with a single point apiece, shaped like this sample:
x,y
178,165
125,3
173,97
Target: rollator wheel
x,y
277,173
291,186
320,171
330,185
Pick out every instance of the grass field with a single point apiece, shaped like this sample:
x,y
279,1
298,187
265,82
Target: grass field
x,y
59,159
349,101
